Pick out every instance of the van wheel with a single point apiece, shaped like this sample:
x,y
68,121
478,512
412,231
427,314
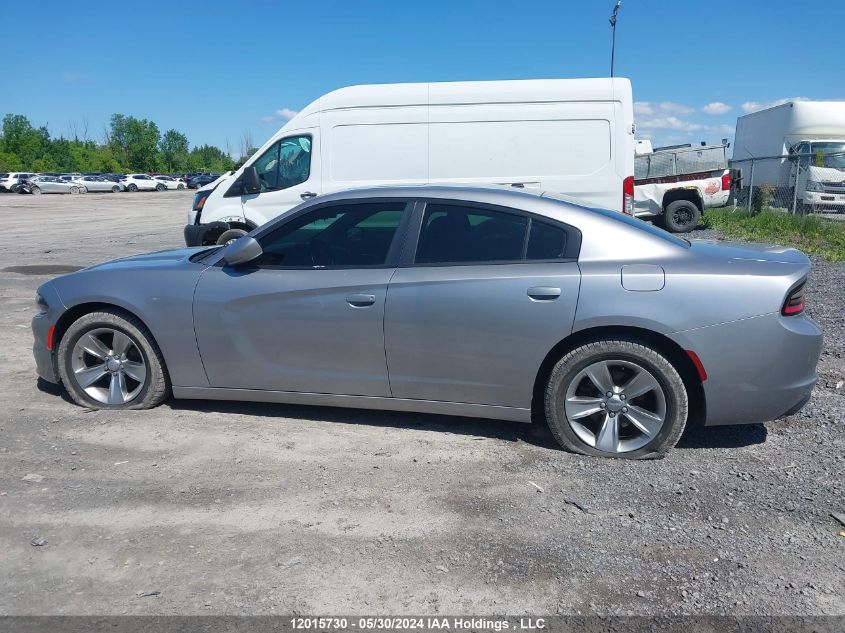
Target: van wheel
x,y
616,398
227,237
681,216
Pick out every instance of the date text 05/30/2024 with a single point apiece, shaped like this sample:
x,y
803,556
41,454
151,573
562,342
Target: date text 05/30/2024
x,y
417,623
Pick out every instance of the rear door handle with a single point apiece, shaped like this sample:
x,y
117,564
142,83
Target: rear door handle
x,y
544,293
307,194
360,300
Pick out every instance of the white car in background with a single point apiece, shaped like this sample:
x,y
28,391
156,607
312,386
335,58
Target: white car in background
x,y
170,182
96,183
142,182
10,181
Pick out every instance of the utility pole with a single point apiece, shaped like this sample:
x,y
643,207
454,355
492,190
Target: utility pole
x,y
613,26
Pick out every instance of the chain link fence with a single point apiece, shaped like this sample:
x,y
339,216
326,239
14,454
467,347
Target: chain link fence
x,y
795,183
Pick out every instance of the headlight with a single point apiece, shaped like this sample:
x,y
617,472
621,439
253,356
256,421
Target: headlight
x,y
41,303
813,185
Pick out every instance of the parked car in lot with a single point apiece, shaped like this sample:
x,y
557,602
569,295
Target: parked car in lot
x,y
170,182
97,183
9,182
476,302
202,180
48,184
142,182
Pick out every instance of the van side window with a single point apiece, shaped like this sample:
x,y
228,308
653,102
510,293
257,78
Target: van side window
x,y
285,164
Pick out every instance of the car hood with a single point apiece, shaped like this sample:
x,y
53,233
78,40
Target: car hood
x,y
160,259
747,251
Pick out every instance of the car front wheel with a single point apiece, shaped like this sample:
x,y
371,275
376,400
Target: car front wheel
x,y
616,398
109,360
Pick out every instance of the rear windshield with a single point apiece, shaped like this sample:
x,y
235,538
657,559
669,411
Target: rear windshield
x,y
4,175
635,223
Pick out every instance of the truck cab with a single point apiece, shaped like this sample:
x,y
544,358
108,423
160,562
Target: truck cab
x,y
818,175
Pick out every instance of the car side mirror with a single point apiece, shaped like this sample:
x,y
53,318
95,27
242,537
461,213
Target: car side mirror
x,y
242,251
249,180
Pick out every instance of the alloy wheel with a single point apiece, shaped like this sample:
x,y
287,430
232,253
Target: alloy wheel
x,y
108,365
615,406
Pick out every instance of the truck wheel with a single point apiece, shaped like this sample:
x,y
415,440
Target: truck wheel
x,y
681,216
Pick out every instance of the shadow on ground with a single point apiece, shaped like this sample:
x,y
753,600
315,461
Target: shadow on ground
x,y
535,434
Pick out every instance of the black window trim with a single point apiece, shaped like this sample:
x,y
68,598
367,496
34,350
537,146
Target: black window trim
x,y
236,191
393,251
409,251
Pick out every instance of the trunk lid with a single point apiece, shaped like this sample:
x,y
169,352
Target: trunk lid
x,y
749,251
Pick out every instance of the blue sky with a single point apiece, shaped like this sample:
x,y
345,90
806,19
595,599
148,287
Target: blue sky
x,y
215,70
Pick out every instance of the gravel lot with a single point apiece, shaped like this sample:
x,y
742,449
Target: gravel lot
x,y
212,508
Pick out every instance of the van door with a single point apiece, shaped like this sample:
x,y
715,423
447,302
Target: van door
x,y
289,173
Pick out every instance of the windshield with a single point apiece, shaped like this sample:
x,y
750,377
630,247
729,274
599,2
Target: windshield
x,y
828,154
635,223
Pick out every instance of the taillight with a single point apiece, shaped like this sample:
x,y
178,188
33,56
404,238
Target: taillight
x,y
794,303
726,182
628,195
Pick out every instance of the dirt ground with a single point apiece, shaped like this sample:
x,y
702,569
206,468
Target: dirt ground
x,y
214,507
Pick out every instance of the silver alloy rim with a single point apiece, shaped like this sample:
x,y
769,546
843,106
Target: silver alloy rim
x,y
108,366
615,406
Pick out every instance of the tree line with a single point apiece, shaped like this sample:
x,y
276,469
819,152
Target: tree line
x,y
129,145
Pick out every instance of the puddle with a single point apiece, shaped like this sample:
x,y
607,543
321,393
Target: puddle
x,y
41,269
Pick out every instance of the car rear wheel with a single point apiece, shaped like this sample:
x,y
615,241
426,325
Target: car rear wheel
x,y
180,186
74,189
616,398
109,360
681,216
35,190
115,189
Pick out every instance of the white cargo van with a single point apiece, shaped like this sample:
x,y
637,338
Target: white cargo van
x,y
797,148
569,136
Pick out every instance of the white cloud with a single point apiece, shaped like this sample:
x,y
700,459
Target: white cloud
x,y
754,106
282,114
716,108
669,123
664,108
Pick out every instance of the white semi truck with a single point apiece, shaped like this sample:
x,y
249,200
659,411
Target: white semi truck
x,y
797,149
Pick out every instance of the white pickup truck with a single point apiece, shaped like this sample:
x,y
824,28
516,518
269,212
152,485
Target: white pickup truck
x,y
676,184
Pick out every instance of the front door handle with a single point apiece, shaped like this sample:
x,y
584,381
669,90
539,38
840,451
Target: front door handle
x,y
307,194
360,300
544,293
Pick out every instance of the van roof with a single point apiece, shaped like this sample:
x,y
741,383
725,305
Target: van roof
x,y
469,92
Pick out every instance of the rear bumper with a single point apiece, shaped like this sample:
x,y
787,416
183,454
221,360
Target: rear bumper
x,y
759,369
203,234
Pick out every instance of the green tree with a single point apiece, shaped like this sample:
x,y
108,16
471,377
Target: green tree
x,y
208,157
23,140
174,150
135,142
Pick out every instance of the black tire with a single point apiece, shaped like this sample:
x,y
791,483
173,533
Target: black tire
x,y
157,385
132,187
572,364
681,216
115,189
180,186
230,236
160,187
35,190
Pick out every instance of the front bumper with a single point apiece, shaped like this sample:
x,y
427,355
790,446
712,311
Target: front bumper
x,y
759,369
822,199
204,234
45,364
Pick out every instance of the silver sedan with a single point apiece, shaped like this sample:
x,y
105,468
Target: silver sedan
x,y
96,183
476,302
49,184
